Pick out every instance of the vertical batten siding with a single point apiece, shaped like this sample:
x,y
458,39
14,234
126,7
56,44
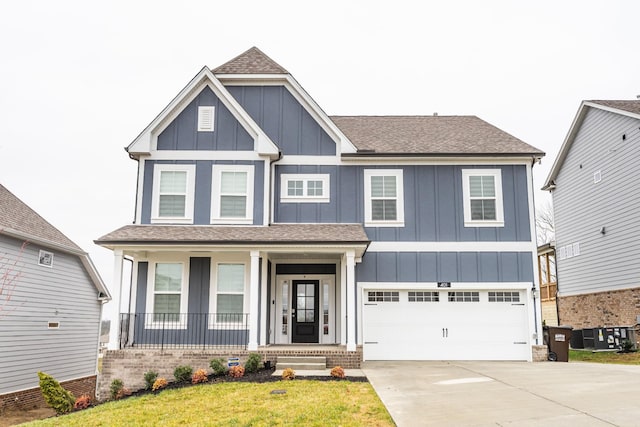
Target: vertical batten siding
x,y
287,123
445,267
432,199
203,188
182,133
65,294
581,207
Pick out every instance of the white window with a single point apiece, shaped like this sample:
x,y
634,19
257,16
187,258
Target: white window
x,y
45,258
295,188
232,198
167,295
383,198
230,290
173,193
206,118
482,195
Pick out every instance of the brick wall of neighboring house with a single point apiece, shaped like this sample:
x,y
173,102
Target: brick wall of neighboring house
x,y
130,365
32,398
614,308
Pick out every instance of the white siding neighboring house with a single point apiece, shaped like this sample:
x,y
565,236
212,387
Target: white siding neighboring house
x,y
594,185
51,299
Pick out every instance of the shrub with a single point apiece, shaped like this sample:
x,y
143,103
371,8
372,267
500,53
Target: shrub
x,y
183,373
83,402
149,378
253,362
159,384
338,372
199,376
236,371
218,367
288,374
55,395
116,386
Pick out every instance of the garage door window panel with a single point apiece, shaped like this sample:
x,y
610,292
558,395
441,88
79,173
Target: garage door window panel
x,y
504,296
383,296
424,296
464,296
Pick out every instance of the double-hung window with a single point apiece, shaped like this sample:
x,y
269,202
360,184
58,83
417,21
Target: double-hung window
x,y
230,288
173,194
311,188
167,295
384,200
482,195
232,198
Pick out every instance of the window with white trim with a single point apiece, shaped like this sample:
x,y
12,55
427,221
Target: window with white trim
x,y
309,188
230,289
383,198
482,195
232,198
167,294
173,194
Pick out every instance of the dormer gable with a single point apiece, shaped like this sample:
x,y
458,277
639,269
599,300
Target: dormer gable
x,y
147,141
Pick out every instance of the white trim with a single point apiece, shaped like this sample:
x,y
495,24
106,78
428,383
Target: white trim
x,y
254,290
536,310
466,197
267,194
351,301
189,194
206,155
264,303
226,258
150,323
305,178
140,189
399,221
455,286
397,161
393,246
206,118
216,194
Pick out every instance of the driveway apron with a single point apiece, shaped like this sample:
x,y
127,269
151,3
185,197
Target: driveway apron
x,y
507,393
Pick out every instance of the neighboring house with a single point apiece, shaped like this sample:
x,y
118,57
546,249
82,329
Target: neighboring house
x,y
548,283
51,299
594,185
263,223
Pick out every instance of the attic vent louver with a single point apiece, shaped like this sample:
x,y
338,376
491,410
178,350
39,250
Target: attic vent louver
x,y
205,118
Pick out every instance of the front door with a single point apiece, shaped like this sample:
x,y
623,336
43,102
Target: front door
x,y
304,311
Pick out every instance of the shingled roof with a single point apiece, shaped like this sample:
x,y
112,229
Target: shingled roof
x,y
253,61
631,106
273,234
18,218
430,135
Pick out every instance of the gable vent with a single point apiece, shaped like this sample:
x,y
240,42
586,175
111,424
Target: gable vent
x,y
205,118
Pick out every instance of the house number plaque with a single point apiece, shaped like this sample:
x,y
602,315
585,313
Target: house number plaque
x,y
444,284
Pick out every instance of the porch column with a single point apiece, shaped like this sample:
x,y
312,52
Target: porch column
x,y
116,292
351,301
264,303
254,293
343,300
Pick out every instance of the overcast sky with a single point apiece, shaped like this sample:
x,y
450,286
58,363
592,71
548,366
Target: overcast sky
x,y
80,79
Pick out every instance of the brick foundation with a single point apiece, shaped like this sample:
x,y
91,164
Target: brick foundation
x,y
614,308
32,398
130,365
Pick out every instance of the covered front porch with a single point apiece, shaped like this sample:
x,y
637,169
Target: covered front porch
x,y
222,293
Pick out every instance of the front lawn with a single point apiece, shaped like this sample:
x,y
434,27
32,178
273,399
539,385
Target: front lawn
x,y
604,357
305,402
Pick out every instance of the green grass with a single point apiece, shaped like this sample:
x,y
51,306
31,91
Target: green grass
x,y
308,403
604,357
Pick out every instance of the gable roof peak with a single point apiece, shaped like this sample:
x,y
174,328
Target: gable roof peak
x,y
252,61
628,105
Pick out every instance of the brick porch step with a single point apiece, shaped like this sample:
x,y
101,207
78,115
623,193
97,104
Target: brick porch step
x,y
302,363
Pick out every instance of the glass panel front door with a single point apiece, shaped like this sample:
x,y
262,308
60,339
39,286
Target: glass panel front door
x,y
304,311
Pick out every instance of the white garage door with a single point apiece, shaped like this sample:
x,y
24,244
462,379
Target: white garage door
x,y
445,325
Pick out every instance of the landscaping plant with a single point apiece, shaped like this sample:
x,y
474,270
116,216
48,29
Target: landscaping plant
x,y
83,402
253,362
183,373
199,376
149,378
236,372
55,395
159,384
338,372
118,390
218,367
288,374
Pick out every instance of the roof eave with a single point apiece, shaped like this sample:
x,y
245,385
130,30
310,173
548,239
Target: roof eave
x,y
536,155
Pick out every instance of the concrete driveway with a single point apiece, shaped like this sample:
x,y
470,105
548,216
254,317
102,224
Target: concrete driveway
x,y
507,393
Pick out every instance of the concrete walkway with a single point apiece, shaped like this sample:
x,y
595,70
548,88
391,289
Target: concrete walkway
x,y
507,393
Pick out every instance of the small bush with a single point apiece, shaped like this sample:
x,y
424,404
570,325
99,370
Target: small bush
x,y
159,384
236,372
218,366
288,374
149,378
116,386
337,372
199,376
55,395
183,373
83,402
253,362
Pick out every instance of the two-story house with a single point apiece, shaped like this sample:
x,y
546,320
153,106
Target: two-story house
x,y
263,222
594,187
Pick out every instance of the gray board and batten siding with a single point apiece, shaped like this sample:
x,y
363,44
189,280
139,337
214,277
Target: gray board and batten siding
x,y
433,203
287,123
203,188
582,207
63,293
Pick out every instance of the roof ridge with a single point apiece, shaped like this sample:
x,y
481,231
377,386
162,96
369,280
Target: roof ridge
x,y
251,61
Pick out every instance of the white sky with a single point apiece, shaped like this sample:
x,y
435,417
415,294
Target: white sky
x,y
80,79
